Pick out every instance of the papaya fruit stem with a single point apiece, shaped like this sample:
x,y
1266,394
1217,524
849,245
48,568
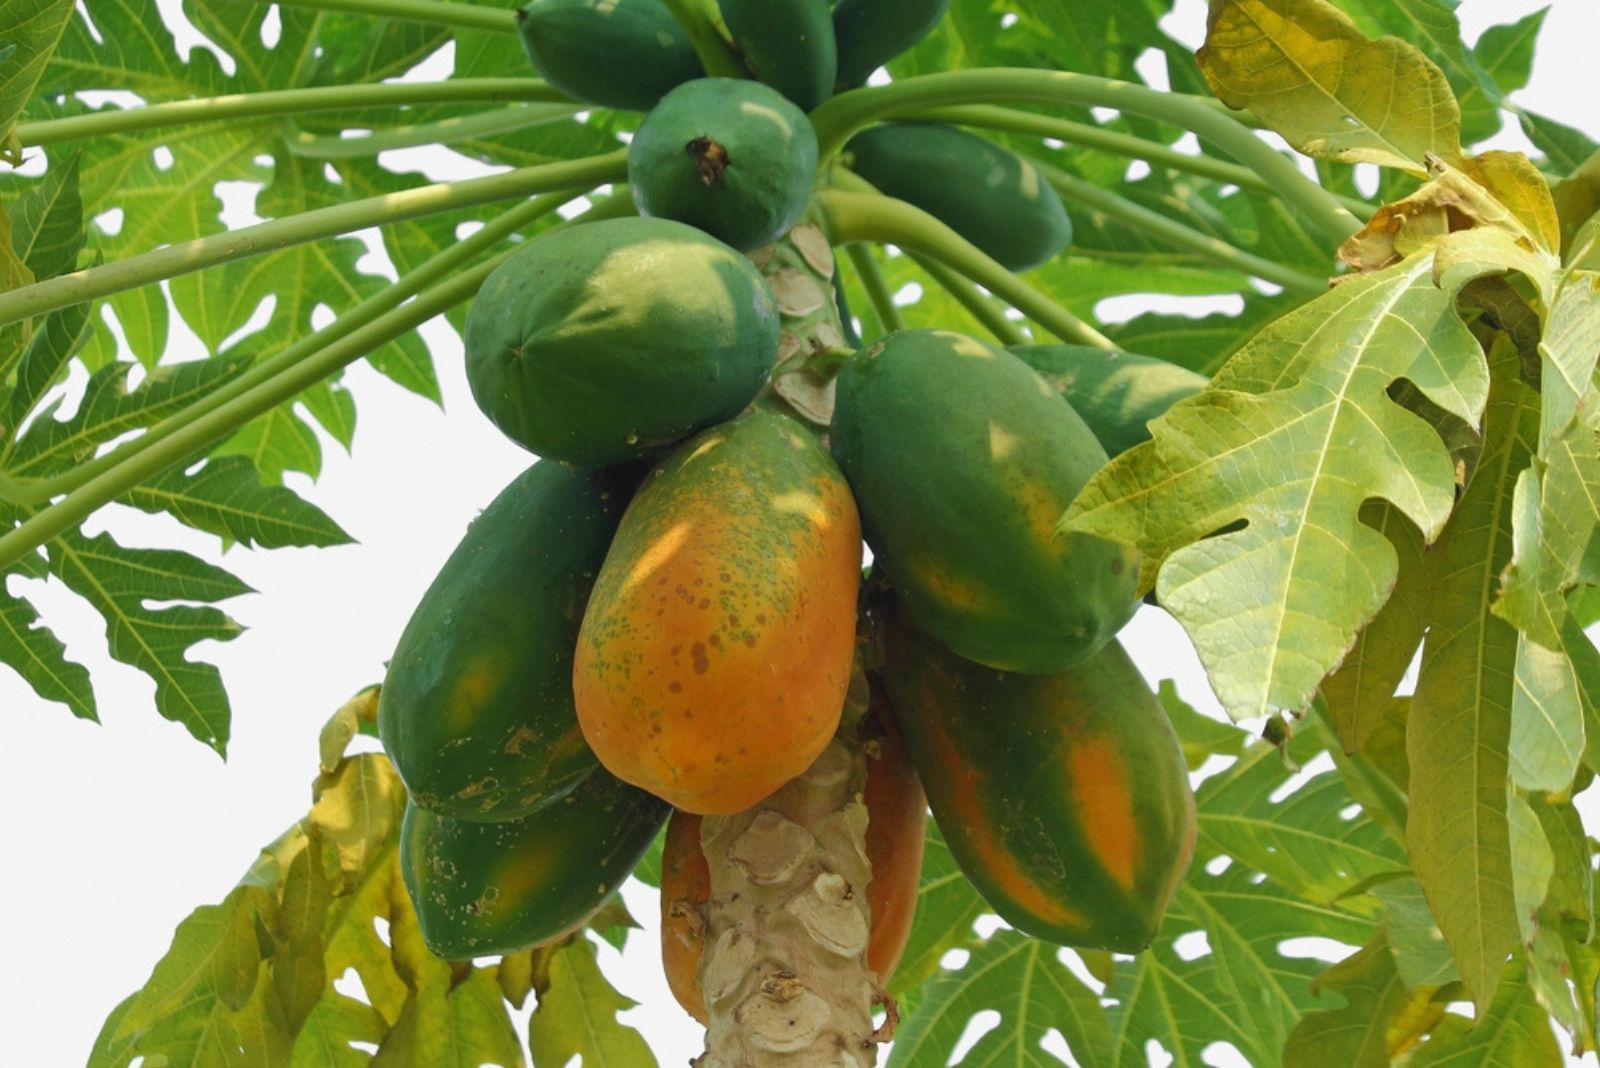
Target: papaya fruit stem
x,y
441,12
874,217
707,37
302,365
986,311
277,234
841,116
1175,233
991,117
280,102
489,123
872,281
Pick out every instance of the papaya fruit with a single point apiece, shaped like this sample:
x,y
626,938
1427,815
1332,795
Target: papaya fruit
x,y
598,343
869,33
731,157
897,815
1064,798
1116,393
787,44
618,54
988,194
476,709
714,656
482,889
963,460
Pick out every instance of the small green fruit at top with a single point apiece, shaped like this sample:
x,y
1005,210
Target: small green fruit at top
x,y
618,54
732,157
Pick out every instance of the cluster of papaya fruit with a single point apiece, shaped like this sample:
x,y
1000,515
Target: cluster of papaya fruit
x,y
666,612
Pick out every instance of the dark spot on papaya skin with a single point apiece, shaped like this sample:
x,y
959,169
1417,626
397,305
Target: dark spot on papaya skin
x,y
710,160
1116,566
704,603
697,654
675,686
715,641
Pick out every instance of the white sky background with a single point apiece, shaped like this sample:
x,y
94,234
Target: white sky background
x,y
114,833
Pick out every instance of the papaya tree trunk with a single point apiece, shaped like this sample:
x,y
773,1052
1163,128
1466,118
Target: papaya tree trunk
x,y
784,973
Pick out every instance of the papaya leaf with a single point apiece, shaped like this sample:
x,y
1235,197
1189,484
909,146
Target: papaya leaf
x,y
226,497
1201,344
33,651
42,361
947,907
121,584
1021,978
1420,954
1505,52
1533,863
249,981
577,1014
1304,68
1358,693
1565,147
1295,432
110,409
13,272
275,442
1237,985
47,221
1381,1016
29,32
1512,1031
1460,724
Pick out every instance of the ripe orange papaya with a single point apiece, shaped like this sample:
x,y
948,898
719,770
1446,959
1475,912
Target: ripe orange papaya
x,y
715,651
1064,798
897,815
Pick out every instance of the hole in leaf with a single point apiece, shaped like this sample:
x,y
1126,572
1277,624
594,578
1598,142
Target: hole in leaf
x,y
1223,1055
1314,948
1191,945
1320,764
110,222
259,318
1055,1044
1152,68
271,27
163,157
1008,20
1218,864
381,925
1349,812
954,959
1156,1054
1136,170
350,985
907,294
1073,963
976,1028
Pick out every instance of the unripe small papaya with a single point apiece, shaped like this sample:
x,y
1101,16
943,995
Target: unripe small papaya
x,y
787,44
731,157
869,33
618,54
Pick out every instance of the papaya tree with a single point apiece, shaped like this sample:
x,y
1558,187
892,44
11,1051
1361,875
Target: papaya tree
x,y
840,486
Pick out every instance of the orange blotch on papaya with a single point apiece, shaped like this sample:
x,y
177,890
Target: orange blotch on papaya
x,y
722,675
1098,780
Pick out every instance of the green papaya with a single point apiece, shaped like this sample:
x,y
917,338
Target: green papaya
x,y
731,157
787,44
988,194
618,54
1064,798
476,710
597,343
963,460
1117,393
870,33
482,889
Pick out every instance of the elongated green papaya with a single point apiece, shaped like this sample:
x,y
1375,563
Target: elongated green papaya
x,y
476,711
731,157
597,343
872,32
1064,798
963,460
989,195
788,44
618,54
1117,393
715,652
490,888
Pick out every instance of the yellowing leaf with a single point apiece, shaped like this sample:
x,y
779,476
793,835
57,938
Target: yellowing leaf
x,y
577,1014
1380,1018
1303,68
1459,728
1295,433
